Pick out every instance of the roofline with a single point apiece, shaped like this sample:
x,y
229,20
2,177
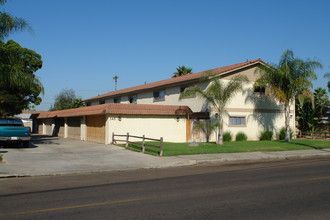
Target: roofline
x,y
119,109
188,81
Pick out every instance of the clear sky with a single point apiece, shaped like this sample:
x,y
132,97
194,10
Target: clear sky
x,y
84,44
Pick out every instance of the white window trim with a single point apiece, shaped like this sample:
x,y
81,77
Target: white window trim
x,y
237,116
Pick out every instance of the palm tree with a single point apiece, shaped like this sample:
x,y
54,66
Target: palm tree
x,y
206,127
9,24
321,102
116,80
327,75
217,94
182,70
286,80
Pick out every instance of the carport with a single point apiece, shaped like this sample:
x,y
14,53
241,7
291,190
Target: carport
x,y
74,130
97,123
71,123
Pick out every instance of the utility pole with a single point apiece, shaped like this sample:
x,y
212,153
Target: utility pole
x,y
115,78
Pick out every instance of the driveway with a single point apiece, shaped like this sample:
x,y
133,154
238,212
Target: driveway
x,y
52,155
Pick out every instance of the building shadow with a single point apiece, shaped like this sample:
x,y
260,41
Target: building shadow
x,y
59,123
43,139
16,145
266,110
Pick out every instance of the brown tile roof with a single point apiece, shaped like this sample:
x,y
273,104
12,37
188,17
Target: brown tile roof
x,y
120,109
177,80
89,110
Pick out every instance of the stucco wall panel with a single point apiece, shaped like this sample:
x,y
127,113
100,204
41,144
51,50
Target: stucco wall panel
x,y
256,122
171,129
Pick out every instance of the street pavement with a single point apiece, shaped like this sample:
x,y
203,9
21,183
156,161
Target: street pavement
x,y
55,156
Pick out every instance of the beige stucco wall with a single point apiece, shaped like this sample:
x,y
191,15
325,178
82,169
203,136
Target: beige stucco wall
x,y
246,99
171,129
256,122
250,72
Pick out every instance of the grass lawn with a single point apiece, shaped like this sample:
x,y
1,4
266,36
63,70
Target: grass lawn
x,y
171,149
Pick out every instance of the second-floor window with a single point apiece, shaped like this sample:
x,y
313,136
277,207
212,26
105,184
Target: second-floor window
x,y
159,95
132,99
259,90
102,102
117,100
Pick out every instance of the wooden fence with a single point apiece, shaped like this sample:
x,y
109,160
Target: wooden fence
x,y
143,144
314,135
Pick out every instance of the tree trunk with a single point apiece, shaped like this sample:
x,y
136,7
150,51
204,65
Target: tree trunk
x,y
220,132
287,123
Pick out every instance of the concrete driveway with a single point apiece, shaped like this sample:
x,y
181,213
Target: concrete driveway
x,y
52,155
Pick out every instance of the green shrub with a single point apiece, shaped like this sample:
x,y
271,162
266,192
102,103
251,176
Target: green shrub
x,y
241,136
282,132
227,136
266,135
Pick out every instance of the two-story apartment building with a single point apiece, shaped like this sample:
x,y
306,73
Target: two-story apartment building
x,y
155,110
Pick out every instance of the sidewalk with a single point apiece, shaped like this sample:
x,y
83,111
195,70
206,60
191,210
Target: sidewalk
x,y
63,156
255,156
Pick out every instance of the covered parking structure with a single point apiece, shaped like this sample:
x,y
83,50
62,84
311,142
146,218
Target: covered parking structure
x,y
97,123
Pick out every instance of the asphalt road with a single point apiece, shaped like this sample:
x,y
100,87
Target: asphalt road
x,y
297,189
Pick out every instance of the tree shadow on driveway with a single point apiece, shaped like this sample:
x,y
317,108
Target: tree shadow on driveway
x,y
35,141
15,145
43,139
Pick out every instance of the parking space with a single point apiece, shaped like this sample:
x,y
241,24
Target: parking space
x,y
54,155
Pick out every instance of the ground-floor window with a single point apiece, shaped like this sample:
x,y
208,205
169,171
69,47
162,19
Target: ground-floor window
x,y
237,121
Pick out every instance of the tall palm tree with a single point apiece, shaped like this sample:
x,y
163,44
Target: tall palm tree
x,y
286,80
9,23
182,70
116,80
327,75
217,94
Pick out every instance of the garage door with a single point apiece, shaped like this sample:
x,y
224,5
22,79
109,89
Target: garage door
x,y
96,128
74,127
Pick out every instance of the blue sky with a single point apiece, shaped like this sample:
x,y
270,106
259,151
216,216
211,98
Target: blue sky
x,y
84,44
